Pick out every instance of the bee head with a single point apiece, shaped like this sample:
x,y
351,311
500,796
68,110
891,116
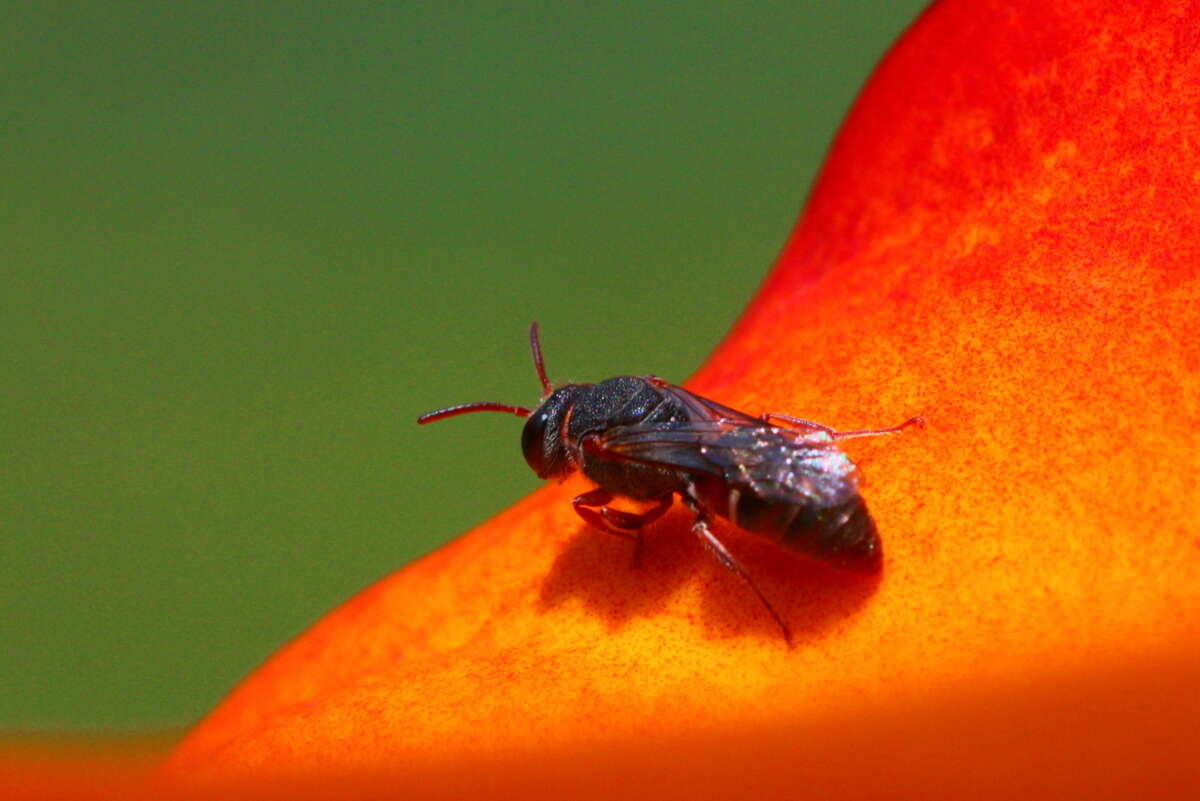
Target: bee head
x,y
544,440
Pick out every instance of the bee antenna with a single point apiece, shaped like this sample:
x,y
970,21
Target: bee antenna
x,y
467,408
536,347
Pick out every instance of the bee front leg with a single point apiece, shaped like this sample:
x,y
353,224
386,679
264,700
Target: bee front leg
x,y
594,509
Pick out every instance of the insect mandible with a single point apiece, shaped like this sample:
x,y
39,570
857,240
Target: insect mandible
x,y
640,437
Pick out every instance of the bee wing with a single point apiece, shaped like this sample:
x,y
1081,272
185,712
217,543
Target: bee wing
x,y
679,446
702,409
779,465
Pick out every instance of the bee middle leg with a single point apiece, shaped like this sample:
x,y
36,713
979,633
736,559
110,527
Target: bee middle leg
x,y
594,509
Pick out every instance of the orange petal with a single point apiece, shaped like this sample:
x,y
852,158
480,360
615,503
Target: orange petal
x,y
34,767
1006,239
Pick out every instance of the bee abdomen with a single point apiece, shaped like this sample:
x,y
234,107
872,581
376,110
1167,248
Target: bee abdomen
x,y
843,535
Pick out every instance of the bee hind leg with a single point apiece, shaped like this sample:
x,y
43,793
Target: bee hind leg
x,y
721,554
797,422
594,509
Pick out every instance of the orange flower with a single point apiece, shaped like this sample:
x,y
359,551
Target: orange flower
x,y
1005,239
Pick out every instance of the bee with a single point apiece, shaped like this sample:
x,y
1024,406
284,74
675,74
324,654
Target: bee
x,y
640,437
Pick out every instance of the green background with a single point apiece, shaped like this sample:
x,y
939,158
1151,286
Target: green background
x,y
244,245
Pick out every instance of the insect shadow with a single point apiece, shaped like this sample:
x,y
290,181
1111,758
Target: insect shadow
x,y
597,571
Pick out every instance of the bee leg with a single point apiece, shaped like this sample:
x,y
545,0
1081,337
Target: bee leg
x,y
919,422
594,509
721,553
767,417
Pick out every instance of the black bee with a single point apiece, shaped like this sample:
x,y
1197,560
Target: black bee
x,y
643,438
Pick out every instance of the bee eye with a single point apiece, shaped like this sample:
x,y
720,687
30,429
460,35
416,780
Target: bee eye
x,y
542,440
533,437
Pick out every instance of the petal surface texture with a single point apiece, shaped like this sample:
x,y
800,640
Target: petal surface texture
x,y
1005,239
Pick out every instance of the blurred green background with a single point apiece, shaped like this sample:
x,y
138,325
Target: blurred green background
x,y
245,244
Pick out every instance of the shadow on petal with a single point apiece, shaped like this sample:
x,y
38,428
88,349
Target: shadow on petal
x,y
596,569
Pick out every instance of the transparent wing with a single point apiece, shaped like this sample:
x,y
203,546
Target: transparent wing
x,y
779,465
702,409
